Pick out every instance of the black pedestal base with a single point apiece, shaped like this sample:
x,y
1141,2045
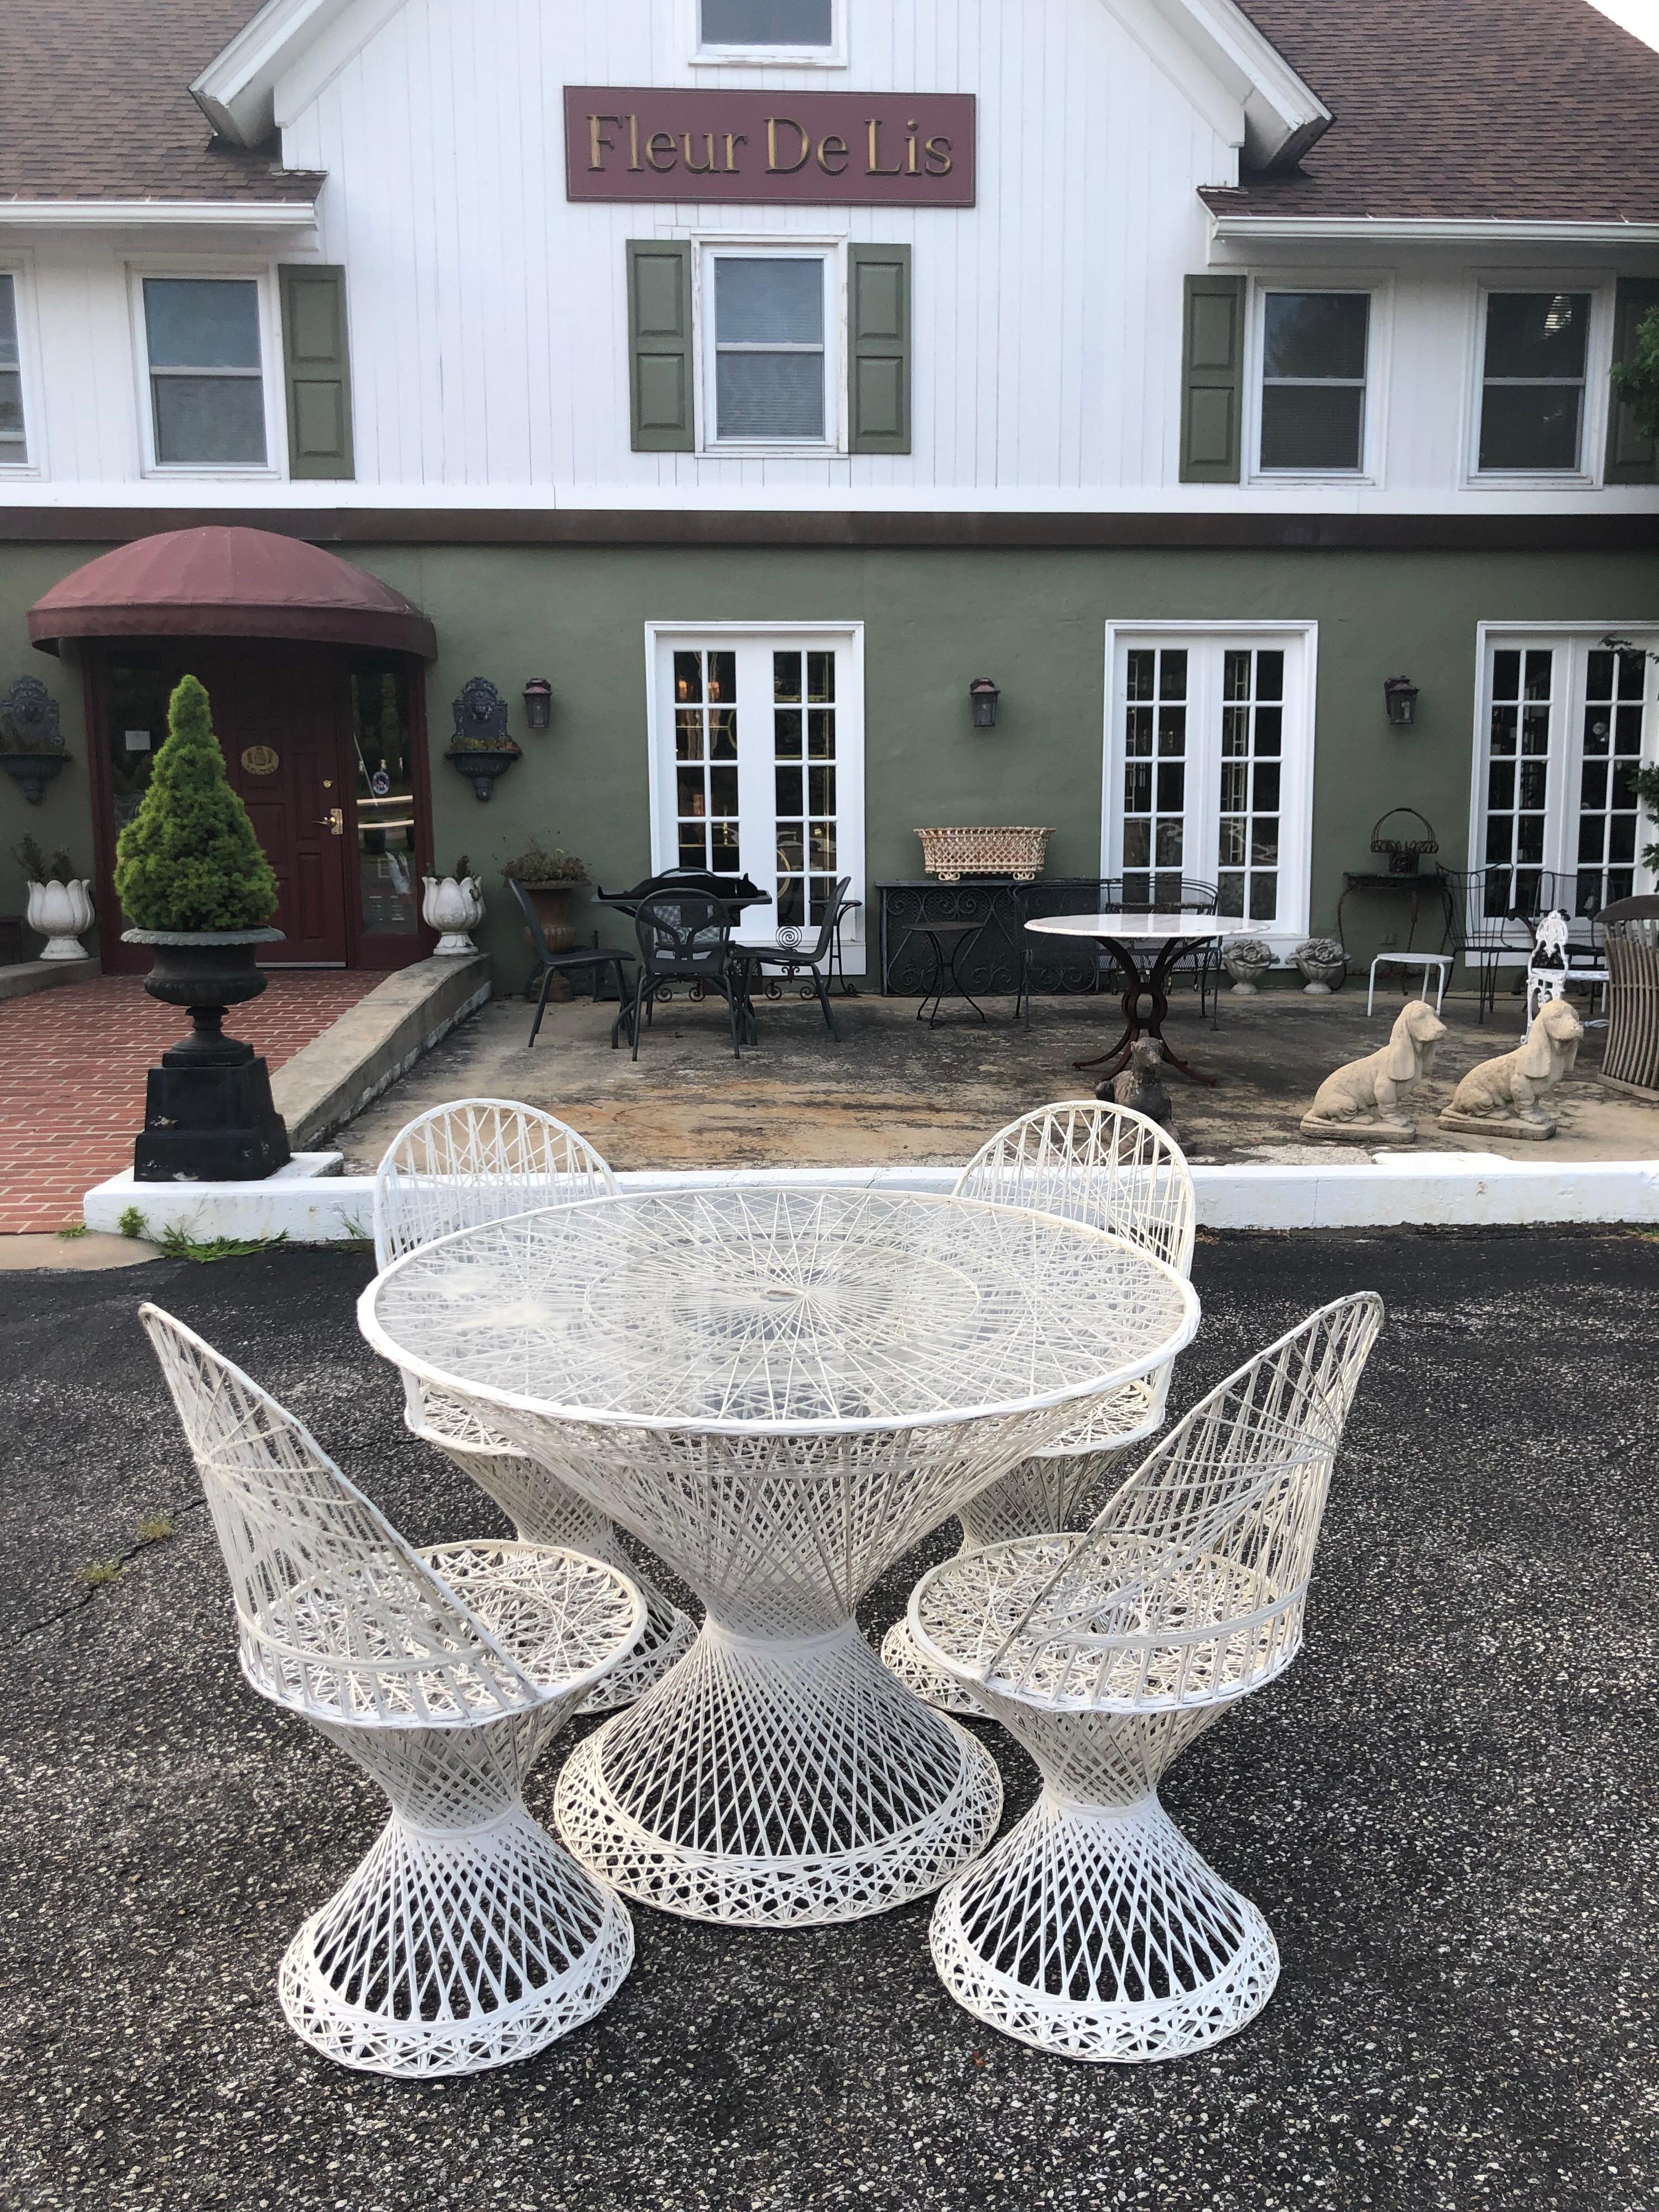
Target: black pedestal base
x,y
209,1120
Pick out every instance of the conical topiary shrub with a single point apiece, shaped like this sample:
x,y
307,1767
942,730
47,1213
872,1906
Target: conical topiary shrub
x,y
189,860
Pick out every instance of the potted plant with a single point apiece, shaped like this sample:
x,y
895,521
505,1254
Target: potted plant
x,y
1324,963
31,744
59,901
1247,960
196,885
480,747
549,881
453,904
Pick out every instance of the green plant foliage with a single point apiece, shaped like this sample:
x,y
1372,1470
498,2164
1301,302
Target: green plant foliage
x,y
190,859
177,1245
132,1223
97,1572
535,865
1636,381
38,868
156,1529
1647,790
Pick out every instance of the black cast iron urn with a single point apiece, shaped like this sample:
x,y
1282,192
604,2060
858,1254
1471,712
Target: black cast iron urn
x,y
208,1114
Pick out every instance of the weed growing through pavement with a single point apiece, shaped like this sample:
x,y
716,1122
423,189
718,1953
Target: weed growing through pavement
x,y
72,1229
132,1223
98,1572
177,1245
156,1529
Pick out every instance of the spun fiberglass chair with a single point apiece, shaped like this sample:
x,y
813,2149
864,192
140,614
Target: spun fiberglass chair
x,y
472,1161
468,1937
1094,1928
1111,1167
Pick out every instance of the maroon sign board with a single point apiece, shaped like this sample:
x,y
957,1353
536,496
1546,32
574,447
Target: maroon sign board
x,y
803,149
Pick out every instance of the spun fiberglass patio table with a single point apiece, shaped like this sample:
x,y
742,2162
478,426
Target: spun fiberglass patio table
x,y
779,1390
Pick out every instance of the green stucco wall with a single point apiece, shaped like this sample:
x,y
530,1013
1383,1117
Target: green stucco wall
x,y
1033,620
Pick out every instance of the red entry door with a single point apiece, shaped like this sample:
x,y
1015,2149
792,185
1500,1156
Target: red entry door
x,y
281,714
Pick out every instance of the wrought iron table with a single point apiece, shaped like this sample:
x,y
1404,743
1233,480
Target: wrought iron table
x,y
1131,938
950,940
780,1391
1416,884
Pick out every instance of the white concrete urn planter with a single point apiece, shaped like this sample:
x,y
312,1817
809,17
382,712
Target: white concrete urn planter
x,y
1323,963
59,912
452,905
1247,960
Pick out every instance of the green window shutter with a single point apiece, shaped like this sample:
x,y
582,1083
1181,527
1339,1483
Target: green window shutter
x,y
317,370
660,345
1630,455
878,350
1212,380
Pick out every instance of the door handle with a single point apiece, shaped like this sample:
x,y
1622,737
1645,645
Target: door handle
x,y
333,820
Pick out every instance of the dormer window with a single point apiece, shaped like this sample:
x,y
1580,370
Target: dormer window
x,y
768,26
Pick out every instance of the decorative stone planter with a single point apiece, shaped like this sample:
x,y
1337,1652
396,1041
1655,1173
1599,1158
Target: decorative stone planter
x,y
552,904
59,913
1247,960
209,1116
483,766
453,905
34,771
1324,964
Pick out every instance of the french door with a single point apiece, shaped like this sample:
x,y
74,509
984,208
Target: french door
x,y
758,765
1564,723
1209,774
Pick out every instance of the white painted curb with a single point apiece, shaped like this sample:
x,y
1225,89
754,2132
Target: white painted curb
x,y
310,1203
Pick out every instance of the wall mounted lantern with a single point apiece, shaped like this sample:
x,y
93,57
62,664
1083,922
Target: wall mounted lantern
x,y
982,696
1399,695
538,703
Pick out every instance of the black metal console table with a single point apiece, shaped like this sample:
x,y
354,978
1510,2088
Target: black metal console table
x,y
991,962
1415,884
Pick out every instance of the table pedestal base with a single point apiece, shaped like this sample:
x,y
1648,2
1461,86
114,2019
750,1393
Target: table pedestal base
x,y
1098,1932
778,1784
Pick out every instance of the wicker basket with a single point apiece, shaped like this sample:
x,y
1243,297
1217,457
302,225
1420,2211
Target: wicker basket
x,y
949,853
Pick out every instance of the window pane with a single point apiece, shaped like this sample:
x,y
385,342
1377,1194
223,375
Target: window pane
x,y
12,446
688,676
766,22
769,302
769,395
1311,426
196,322
1536,333
1316,334
1529,426
209,419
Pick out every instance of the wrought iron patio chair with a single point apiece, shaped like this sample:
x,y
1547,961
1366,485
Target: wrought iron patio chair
x,y
685,936
1490,918
456,1167
1094,1928
789,951
596,961
1111,1167
467,1937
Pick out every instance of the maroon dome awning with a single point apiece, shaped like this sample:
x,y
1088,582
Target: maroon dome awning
x,y
229,582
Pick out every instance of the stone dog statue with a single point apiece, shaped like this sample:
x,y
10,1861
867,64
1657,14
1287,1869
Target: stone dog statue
x,y
1141,1084
1364,1098
1500,1098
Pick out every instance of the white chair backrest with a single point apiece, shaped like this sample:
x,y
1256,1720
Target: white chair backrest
x,y
477,1160
338,1619
1089,1162
1192,1581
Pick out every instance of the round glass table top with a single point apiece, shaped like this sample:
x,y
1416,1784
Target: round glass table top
x,y
795,1310
1139,925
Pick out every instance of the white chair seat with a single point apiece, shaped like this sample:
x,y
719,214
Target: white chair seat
x,y
1440,964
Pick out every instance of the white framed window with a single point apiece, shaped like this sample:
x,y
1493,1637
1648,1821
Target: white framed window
x,y
20,427
1563,721
757,763
209,363
1313,402
797,33
1209,767
770,321
1537,374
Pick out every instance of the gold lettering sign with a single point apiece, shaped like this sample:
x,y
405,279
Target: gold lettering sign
x,y
260,760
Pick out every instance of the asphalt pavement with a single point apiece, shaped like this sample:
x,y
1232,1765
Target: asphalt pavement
x,y
1447,1811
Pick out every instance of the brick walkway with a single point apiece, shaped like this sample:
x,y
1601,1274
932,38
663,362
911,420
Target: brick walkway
x,y
72,1064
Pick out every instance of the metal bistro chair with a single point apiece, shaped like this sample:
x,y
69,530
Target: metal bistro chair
x,y
596,960
1113,1168
457,1167
467,1937
1490,913
1094,1928
685,936
787,951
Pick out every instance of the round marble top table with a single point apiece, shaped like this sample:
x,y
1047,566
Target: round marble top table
x,y
1145,947
780,1391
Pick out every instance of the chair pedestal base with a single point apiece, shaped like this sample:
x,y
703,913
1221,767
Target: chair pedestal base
x,y
900,1656
778,1784
452,1951
1099,1933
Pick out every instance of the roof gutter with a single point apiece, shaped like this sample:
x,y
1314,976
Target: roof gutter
x,y
147,215
1429,230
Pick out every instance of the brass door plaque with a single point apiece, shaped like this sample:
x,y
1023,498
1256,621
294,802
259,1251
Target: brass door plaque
x,y
260,760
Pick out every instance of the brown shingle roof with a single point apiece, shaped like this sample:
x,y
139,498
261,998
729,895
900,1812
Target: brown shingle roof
x,y
1509,109
95,105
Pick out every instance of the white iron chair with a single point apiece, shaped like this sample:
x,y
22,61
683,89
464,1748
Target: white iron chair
x,y
468,1937
1110,1166
1094,1928
1434,965
1549,970
456,1167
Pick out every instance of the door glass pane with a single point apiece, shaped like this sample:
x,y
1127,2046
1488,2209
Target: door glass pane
x,y
706,752
135,692
1252,728
1607,808
1517,790
1154,777
387,874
